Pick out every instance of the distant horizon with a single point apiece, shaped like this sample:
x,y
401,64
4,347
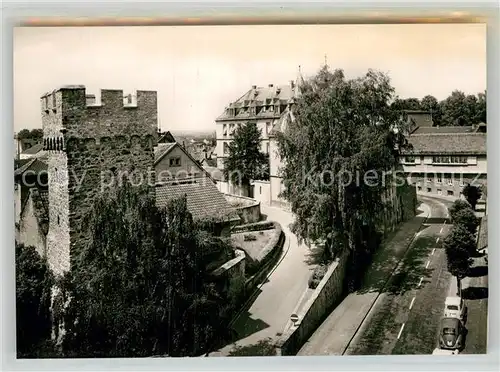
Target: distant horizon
x,y
200,70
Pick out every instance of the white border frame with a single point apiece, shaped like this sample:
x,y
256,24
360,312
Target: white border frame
x,y
13,13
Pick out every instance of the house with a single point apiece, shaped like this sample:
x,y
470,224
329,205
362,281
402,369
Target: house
x,y
177,174
33,151
442,160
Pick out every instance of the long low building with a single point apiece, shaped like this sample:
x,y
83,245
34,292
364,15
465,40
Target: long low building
x,y
442,160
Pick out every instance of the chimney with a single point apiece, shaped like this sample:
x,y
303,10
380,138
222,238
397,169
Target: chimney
x,y
292,84
90,98
270,85
254,86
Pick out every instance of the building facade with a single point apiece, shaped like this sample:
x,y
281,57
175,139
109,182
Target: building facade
x,y
266,107
442,160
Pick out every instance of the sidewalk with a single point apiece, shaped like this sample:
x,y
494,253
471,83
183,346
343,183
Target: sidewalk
x,y
336,332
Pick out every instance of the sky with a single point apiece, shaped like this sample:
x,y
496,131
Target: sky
x,y
198,70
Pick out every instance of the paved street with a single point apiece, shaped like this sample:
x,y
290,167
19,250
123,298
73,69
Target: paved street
x,y
335,333
279,295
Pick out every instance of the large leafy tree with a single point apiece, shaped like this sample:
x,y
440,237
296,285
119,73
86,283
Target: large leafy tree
x,y
245,161
457,206
430,103
459,245
467,218
342,132
472,194
33,290
34,134
140,287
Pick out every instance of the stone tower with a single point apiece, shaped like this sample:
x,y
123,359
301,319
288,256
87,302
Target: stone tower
x,y
87,142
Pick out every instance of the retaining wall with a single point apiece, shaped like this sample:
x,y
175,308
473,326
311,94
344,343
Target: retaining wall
x,y
249,211
325,297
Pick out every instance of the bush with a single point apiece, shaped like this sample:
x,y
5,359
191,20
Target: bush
x,y
249,237
317,275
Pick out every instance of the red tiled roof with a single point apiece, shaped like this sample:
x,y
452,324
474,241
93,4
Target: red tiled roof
x,y
203,198
448,143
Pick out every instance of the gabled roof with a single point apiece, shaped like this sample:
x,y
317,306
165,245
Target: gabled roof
x,y
203,199
448,143
166,138
18,163
33,149
165,148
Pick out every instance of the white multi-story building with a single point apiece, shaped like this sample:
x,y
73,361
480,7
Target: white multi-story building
x,y
267,107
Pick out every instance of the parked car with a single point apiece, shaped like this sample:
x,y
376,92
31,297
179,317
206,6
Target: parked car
x,y
454,307
451,334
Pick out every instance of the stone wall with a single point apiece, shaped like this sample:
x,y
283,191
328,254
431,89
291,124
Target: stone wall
x,y
234,268
90,148
325,297
249,209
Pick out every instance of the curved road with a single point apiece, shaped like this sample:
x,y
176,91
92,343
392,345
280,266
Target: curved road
x,y
278,296
345,328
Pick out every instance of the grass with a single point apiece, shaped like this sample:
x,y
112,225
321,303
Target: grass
x,y
253,247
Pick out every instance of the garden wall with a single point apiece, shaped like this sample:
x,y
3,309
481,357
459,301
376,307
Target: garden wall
x,y
247,208
325,297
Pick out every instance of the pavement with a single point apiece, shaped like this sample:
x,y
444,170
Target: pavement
x,y
343,332
279,296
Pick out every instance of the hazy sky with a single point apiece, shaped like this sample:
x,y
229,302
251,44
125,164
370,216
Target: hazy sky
x,y
198,70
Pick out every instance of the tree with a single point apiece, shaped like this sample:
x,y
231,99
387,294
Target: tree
x,y
245,161
33,289
140,287
472,194
342,131
35,134
457,206
467,218
480,108
430,103
459,245
454,109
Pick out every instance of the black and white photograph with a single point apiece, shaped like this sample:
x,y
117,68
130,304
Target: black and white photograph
x,y
250,190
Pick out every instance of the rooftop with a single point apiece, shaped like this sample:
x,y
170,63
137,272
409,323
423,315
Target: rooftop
x,y
448,143
203,199
437,129
35,166
162,149
33,149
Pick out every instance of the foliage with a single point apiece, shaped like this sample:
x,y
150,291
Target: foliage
x,y
457,206
35,134
467,218
317,275
33,294
472,194
459,245
245,161
456,109
262,348
342,129
139,288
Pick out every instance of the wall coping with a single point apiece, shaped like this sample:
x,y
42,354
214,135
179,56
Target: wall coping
x,y
305,309
240,255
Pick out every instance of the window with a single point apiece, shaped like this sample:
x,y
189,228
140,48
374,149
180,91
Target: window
x,y
439,179
440,192
226,148
175,162
450,192
260,189
224,130
271,108
268,127
231,129
419,188
429,180
429,189
267,148
449,159
409,159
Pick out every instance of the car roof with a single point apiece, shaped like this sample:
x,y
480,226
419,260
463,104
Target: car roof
x,y
449,322
452,301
